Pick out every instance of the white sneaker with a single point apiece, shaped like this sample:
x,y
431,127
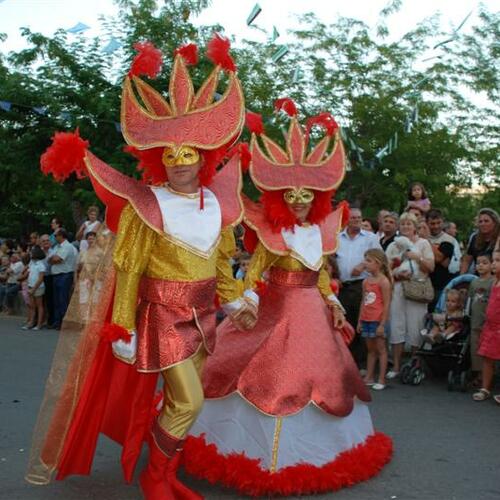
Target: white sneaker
x,y
378,387
391,374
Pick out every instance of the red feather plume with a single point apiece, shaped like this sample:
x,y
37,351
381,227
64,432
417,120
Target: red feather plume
x,y
244,152
253,122
325,120
277,212
250,239
321,206
150,164
189,53
218,52
65,156
147,62
345,213
287,105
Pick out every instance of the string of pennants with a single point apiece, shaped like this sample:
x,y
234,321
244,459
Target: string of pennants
x,y
281,50
44,111
411,119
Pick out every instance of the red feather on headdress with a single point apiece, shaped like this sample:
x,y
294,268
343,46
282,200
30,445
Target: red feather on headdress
x,y
189,53
253,122
218,52
147,62
287,105
325,120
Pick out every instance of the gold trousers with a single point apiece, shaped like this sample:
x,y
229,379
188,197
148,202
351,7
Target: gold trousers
x,y
183,395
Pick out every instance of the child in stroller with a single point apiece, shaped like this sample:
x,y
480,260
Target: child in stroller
x,y
447,324
445,347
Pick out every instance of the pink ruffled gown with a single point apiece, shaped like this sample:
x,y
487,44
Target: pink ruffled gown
x,y
285,409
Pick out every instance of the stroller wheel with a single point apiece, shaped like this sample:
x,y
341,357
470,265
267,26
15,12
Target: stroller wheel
x,y
463,381
416,375
451,380
405,374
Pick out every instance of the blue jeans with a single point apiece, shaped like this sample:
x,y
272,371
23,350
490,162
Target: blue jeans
x,y
8,293
62,293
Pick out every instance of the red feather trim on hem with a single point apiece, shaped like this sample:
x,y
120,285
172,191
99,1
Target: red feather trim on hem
x,y
112,332
244,474
65,156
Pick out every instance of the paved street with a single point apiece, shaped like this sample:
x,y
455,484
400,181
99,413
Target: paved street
x,y
446,446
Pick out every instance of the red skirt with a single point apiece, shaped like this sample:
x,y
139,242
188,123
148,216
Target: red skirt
x,y
292,357
489,343
173,319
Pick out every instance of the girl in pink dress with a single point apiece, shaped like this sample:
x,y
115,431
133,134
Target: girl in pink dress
x,y
285,410
489,342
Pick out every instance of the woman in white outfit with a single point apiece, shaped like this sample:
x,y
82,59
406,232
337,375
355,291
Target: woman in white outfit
x,y
407,316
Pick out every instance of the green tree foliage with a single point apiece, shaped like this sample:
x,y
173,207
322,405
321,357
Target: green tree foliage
x,y
370,84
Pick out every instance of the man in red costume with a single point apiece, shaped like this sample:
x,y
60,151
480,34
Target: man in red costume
x,y
171,257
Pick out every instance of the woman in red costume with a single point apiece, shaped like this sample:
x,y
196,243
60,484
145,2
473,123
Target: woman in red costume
x,y
285,409
154,307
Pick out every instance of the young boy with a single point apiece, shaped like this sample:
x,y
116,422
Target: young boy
x,y
479,292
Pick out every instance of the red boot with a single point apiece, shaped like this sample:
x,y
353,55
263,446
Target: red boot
x,y
181,491
153,480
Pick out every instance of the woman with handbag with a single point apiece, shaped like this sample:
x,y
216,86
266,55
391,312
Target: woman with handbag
x,y
411,293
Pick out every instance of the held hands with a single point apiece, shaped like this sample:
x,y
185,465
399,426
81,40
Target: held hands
x,y
126,351
380,331
338,317
245,317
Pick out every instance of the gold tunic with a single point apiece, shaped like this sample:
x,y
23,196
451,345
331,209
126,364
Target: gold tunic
x,y
263,259
140,250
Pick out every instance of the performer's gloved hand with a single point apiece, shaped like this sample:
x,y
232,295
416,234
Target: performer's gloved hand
x,y
242,313
126,351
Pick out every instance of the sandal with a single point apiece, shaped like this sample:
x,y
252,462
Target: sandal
x,y
496,398
481,395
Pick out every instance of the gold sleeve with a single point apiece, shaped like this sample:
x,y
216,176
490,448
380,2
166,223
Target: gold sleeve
x,y
133,245
261,261
228,288
324,281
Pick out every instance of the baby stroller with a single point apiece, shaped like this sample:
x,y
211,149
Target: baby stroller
x,y
451,357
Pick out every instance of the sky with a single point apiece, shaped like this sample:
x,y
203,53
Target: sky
x,y
46,16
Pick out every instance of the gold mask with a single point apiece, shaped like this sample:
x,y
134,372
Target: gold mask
x,y
301,195
183,155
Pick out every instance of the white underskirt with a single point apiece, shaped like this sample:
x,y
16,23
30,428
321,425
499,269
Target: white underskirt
x,y
311,436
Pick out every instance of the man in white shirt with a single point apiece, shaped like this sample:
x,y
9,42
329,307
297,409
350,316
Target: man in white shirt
x,y
63,263
353,243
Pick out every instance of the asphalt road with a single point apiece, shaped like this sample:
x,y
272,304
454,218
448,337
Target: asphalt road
x,y
446,446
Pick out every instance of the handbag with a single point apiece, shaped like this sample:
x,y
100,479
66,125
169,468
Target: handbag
x,y
418,289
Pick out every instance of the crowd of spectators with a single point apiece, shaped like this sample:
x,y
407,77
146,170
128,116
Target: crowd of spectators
x,y
419,245
41,272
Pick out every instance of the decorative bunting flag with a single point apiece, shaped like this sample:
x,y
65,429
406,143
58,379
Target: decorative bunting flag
x,y
78,28
279,54
112,46
40,110
275,35
5,105
297,75
255,12
65,115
